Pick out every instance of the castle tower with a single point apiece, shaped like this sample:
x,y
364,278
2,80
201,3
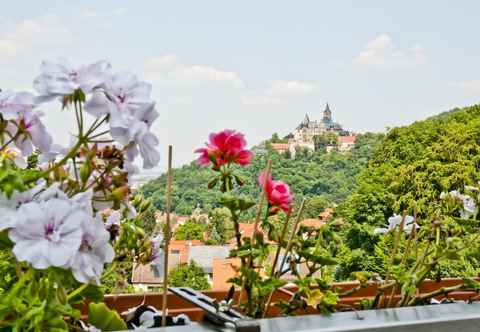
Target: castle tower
x,y
305,122
327,115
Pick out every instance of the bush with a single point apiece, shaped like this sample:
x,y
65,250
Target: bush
x,y
189,275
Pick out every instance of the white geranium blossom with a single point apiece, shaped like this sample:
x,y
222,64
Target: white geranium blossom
x,y
14,155
113,219
395,221
158,256
144,143
95,250
469,205
39,193
131,112
124,97
38,135
15,105
48,233
18,107
61,78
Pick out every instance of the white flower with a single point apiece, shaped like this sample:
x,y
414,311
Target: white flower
x,y
60,78
14,155
48,233
15,105
395,221
132,112
95,250
113,219
38,135
469,205
18,107
9,206
124,97
158,256
146,142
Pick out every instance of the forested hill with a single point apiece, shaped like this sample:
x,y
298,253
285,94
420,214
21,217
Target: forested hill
x,y
327,177
415,164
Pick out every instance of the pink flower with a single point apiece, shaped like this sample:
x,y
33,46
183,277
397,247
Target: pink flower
x,y
227,146
278,193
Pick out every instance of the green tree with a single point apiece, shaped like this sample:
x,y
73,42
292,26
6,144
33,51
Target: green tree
x,y
189,275
220,227
316,205
190,230
148,221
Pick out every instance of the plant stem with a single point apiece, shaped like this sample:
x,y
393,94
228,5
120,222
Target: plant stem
x,y
287,250
275,260
263,197
439,291
69,155
77,291
167,237
396,244
17,135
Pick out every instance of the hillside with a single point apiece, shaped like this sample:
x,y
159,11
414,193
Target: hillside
x,y
328,177
417,163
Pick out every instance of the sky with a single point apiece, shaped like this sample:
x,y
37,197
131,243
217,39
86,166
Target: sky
x,y
256,66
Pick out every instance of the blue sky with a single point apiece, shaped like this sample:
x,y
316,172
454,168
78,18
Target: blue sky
x,y
258,66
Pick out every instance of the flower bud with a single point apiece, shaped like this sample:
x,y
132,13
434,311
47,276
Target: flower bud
x,y
120,193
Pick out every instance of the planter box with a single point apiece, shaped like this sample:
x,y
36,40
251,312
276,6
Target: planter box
x,y
177,305
432,318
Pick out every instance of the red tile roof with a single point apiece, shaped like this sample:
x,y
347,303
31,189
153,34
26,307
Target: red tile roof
x,y
280,146
347,139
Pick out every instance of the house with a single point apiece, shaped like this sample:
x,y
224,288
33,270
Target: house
x,y
223,270
327,213
204,256
346,143
145,276
281,147
315,223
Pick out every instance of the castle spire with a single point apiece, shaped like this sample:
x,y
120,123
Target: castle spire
x,y
327,114
306,120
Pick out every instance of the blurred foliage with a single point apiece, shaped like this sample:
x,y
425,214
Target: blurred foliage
x,y
188,275
330,176
190,230
415,163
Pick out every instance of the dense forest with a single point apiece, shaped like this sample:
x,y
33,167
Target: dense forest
x,y
408,173
326,178
404,171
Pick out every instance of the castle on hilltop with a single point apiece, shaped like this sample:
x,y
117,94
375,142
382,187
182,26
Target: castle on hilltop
x,y
307,129
304,136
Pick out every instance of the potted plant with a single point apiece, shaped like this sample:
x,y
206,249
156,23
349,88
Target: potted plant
x,y
69,221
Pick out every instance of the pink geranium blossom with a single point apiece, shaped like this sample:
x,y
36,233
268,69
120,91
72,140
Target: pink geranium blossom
x,y
278,193
225,147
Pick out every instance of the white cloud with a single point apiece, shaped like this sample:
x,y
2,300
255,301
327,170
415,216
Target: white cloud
x,y
170,69
257,100
120,11
472,86
289,88
88,13
382,53
44,32
91,13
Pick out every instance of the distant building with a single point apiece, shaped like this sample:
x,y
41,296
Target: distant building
x,y
308,129
346,143
281,147
304,135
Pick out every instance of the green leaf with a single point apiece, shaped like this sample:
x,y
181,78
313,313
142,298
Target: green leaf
x,y
105,319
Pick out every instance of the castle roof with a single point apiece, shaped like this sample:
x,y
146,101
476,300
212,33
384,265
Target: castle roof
x,y
305,122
